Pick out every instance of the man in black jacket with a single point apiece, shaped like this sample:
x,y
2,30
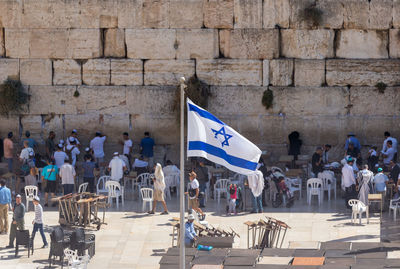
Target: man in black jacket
x,y
18,221
394,172
202,176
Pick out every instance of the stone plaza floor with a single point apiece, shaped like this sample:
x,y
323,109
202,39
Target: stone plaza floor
x,y
133,239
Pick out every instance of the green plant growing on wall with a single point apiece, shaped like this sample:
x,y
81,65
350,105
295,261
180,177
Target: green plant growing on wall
x,y
312,15
381,87
196,90
268,99
76,93
13,97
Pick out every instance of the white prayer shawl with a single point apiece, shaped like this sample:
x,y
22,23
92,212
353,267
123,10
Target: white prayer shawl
x,y
159,183
256,182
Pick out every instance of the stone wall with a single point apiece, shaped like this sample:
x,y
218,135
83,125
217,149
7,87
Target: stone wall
x,y
321,58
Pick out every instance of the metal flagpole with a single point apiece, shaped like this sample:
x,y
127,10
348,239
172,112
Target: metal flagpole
x,y
182,179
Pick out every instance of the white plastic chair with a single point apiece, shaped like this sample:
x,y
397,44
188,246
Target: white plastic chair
x,y
83,187
147,197
358,208
101,185
30,193
329,182
169,182
115,190
75,261
315,187
394,206
144,179
220,187
294,184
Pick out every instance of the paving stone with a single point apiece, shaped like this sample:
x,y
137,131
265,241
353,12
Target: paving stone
x,y
175,252
277,252
240,261
269,266
332,266
340,261
366,245
335,245
370,262
337,253
174,259
213,252
369,254
244,252
214,260
304,244
275,260
308,253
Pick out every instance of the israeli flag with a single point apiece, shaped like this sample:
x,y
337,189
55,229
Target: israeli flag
x,y
210,138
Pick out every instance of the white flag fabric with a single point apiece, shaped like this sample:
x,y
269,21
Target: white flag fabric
x,y
210,138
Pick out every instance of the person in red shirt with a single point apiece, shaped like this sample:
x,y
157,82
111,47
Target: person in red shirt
x,y
8,151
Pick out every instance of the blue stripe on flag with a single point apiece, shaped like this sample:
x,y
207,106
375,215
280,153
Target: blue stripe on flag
x,y
232,160
204,113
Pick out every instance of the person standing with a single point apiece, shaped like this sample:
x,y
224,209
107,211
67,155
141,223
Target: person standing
x,y
294,144
5,202
193,193
67,174
127,145
364,179
316,162
159,187
394,144
8,146
50,173
394,171
38,221
388,155
256,185
202,176
97,145
380,180
190,233
116,167
351,138
348,181
147,148
50,145
25,152
74,135
88,171
325,154
72,151
31,178
31,142
60,156
18,221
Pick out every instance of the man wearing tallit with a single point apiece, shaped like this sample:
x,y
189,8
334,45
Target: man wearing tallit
x,y
159,187
256,185
364,179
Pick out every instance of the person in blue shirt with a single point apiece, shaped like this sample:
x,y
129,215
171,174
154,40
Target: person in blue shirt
x,y
31,142
351,138
49,173
146,148
5,201
190,233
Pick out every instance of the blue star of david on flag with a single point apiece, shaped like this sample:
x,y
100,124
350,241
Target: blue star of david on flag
x,y
224,134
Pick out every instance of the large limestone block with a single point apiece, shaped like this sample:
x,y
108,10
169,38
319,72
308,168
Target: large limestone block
x,y
167,72
155,13
156,101
2,45
310,100
230,72
126,72
96,72
17,43
394,43
276,12
242,100
10,14
218,14
307,44
130,14
32,123
265,73
150,43
369,101
396,13
9,124
332,13
356,44
248,13
84,43
53,99
67,72
298,20
114,44
356,14
197,44
362,72
48,43
102,99
250,43
36,71
309,72
9,68
186,13
281,72
380,14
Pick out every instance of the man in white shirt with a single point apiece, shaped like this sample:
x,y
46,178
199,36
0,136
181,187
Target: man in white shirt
x,y
67,174
97,145
60,156
388,155
349,181
170,169
26,151
72,150
74,135
127,143
394,144
116,167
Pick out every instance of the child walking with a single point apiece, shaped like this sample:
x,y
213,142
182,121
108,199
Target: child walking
x,y
232,199
38,221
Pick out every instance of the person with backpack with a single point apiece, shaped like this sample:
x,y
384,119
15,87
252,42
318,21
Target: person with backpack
x,y
30,179
49,177
88,171
24,158
72,151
